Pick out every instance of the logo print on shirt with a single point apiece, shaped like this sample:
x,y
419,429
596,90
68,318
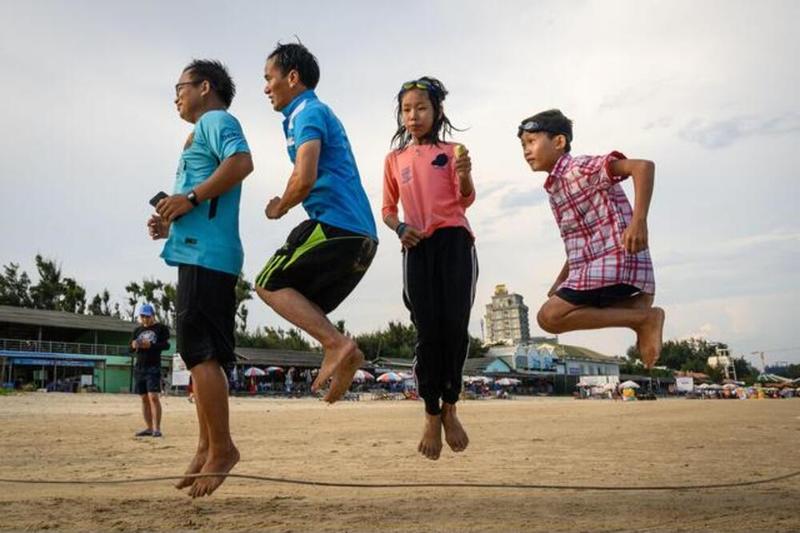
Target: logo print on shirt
x,y
405,175
440,161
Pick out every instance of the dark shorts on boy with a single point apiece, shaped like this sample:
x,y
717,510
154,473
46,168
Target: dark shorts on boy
x,y
602,297
146,379
206,315
322,262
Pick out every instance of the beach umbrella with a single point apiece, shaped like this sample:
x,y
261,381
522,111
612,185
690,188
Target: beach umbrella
x,y
406,375
254,371
629,385
389,377
271,369
508,382
481,379
363,375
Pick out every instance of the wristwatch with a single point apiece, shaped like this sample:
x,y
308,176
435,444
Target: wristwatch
x,y
192,197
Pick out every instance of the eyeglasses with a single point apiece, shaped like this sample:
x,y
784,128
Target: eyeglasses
x,y
179,85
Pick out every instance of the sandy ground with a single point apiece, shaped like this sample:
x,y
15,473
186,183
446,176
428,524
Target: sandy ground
x,y
543,441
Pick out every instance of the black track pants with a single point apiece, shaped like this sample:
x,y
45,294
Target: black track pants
x,y
439,276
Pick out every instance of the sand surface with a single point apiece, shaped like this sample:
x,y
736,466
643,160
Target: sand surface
x,y
541,441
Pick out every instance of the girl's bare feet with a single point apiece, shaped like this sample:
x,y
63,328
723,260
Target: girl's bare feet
x,y
454,432
431,443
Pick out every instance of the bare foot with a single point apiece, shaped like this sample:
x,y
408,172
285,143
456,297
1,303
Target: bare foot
x,y
454,432
650,337
222,464
195,466
343,376
333,357
431,443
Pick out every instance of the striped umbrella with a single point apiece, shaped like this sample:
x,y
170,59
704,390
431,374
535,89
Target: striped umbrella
x,y
363,375
389,377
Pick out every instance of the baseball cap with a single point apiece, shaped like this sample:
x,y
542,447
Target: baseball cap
x,y
146,310
551,121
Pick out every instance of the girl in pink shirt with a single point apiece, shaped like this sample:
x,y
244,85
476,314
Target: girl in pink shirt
x,y
432,179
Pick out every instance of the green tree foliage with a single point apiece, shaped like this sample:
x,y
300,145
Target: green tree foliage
x,y
273,338
787,371
15,287
691,355
156,292
399,340
244,292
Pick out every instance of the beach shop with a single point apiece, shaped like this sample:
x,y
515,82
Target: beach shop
x,y
60,351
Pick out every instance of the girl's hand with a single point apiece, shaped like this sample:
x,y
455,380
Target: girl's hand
x,y
462,161
411,236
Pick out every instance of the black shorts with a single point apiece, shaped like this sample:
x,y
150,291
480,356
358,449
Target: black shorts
x,y
321,262
602,297
206,315
146,379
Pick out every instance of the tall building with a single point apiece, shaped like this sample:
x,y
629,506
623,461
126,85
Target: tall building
x,y
506,319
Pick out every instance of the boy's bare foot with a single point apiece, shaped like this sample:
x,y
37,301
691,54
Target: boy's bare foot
x,y
195,466
343,376
431,443
454,432
333,358
216,464
650,337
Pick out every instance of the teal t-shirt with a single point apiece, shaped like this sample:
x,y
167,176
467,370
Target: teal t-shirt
x,y
208,235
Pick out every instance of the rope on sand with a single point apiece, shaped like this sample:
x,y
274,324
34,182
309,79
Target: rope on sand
x,y
507,486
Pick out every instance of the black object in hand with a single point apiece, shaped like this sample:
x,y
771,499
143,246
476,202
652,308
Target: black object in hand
x,y
157,198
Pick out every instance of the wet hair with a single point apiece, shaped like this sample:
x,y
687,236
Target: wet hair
x,y
552,122
215,73
295,56
441,124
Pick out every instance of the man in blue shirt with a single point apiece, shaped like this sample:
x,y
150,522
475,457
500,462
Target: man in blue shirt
x,y
201,222
325,257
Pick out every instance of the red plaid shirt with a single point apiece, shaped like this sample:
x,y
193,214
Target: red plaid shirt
x,y
592,211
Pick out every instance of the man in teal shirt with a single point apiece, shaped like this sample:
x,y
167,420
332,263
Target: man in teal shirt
x,y
201,224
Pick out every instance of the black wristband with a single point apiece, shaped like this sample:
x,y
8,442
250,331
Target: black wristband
x,y
192,197
401,227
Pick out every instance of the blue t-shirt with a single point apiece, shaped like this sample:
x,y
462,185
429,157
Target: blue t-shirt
x,y
208,235
337,197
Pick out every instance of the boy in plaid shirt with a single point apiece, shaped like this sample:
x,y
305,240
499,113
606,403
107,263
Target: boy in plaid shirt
x,y
607,279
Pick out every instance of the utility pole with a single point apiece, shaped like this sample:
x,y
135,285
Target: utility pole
x,y
763,360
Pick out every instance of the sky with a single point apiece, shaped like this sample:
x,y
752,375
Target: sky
x,y
705,89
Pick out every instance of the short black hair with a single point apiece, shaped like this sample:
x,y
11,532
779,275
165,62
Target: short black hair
x,y
441,124
553,122
216,74
295,56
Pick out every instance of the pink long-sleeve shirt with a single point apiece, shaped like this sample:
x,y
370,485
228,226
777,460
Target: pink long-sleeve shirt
x,y
423,178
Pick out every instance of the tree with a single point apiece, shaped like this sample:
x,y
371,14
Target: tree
x,y
244,292
153,291
15,287
400,340
272,338
54,293
686,355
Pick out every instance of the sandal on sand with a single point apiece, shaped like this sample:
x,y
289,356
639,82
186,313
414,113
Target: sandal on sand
x,y
144,433
157,433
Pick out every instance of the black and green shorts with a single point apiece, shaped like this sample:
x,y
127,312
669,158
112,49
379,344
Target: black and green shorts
x,y
321,262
